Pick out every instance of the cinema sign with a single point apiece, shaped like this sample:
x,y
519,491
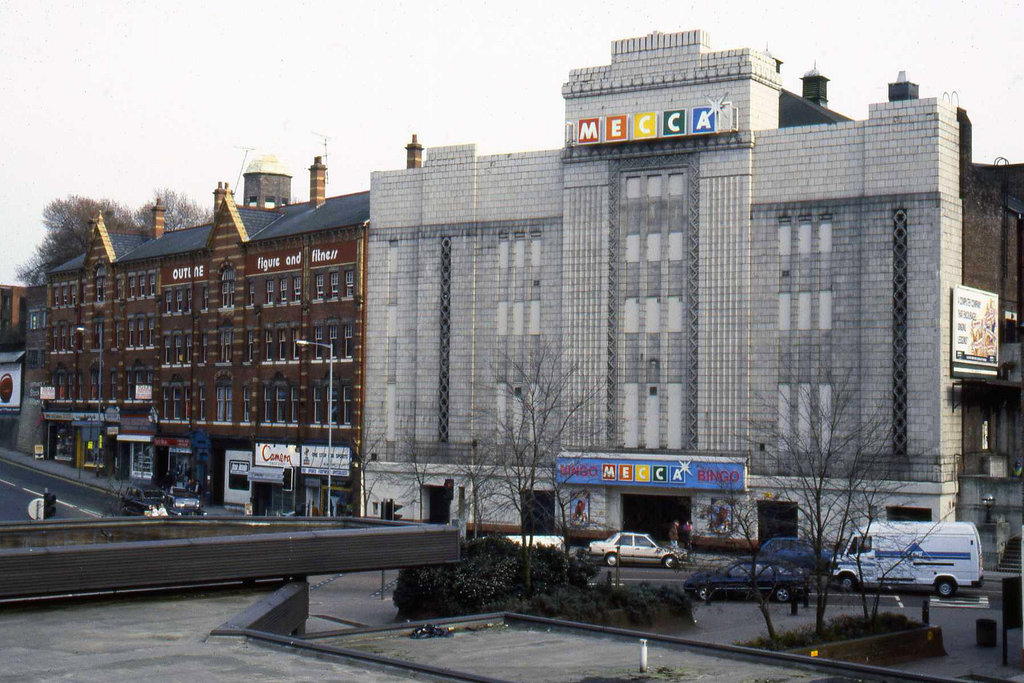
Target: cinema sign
x,y
719,117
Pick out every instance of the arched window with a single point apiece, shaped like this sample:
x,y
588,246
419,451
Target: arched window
x,y
227,287
100,280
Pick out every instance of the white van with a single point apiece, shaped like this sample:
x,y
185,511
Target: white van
x,y
944,555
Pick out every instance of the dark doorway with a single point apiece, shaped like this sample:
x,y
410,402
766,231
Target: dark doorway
x,y
776,519
439,504
539,514
653,514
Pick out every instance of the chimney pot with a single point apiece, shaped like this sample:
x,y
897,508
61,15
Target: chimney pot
x,y
317,182
414,154
158,218
902,89
218,196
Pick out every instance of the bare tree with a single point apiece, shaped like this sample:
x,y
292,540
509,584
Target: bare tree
x,y
482,477
180,210
834,460
540,400
66,232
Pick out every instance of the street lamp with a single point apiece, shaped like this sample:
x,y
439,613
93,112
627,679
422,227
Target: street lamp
x,y
330,414
99,395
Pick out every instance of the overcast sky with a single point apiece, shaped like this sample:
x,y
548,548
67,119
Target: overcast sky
x,y
109,99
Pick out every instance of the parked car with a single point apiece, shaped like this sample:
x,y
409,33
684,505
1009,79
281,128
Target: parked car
x,y
779,581
182,502
629,547
137,502
793,551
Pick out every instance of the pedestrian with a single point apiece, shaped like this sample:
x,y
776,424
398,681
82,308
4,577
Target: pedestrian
x,y
687,535
673,534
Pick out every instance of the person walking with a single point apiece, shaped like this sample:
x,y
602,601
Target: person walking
x,y
687,536
673,534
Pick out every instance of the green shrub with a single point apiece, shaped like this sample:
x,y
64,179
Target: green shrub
x,y
842,627
488,578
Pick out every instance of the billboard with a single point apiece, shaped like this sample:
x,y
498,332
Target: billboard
x,y
314,460
975,333
628,470
10,387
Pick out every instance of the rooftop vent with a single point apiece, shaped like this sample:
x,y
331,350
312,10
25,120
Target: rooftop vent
x,y
815,87
902,89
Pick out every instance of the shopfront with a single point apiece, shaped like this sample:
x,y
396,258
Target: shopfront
x,y
237,486
174,464
273,478
612,491
317,461
134,448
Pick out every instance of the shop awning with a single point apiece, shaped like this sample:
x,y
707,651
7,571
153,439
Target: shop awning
x,y
141,438
269,475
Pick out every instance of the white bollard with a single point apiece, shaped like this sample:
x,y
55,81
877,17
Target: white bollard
x,y
643,655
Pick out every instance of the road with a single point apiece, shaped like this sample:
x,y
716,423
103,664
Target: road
x,y
19,485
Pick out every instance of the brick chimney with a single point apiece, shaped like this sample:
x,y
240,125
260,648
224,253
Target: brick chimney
x,y
218,196
317,182
414,154
158,218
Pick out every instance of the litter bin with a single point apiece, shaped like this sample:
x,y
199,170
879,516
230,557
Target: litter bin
x,y
985,632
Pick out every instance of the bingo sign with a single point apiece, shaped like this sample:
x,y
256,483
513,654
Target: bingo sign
x,y
683,473
715,117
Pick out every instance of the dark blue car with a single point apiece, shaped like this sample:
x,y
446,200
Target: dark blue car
x,y
792,551
776,581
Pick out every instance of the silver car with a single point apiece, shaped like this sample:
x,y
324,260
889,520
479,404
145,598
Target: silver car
x,y
632,548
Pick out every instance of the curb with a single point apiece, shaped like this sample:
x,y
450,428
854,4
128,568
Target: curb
x,y
63,478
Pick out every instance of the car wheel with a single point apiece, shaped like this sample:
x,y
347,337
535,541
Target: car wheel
x,y
704,592
611,559
670,561
847,583
946,588
782,594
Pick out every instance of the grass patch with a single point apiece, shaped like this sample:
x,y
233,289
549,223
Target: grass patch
x,y
843,627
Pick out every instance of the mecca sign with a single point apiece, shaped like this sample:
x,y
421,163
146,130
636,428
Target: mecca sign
x,y
682,472
715,117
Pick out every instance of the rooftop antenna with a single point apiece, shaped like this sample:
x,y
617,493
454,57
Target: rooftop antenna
x,y
242,167
324,139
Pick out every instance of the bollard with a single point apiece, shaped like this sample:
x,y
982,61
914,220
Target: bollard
x,y
925,609
643,655
792,603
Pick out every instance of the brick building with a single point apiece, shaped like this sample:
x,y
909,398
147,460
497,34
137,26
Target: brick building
x,y
176,356
718,257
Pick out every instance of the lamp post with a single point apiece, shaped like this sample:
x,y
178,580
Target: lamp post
x,y
330,414
99,394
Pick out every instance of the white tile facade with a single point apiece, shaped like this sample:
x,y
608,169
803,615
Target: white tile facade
x,y
575,204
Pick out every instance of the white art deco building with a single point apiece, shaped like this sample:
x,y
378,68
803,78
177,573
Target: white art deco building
x,y
708,249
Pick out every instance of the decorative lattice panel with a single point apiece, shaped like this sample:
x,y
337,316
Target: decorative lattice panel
x,y
445,341
899,332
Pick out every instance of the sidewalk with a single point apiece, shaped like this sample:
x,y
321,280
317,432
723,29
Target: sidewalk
x,y
86,478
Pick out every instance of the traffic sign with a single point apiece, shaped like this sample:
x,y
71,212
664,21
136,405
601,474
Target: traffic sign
x,y
35,508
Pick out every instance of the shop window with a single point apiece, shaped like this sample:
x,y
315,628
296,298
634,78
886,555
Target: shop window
x,y
238,476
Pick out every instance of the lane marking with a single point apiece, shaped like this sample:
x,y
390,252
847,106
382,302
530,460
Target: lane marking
x,y
979,602
37,494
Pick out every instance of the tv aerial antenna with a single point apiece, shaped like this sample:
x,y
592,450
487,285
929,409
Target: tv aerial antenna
x,y
242,167
324,139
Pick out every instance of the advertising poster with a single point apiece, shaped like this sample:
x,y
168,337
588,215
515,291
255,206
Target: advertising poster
x,y
10,387
975,332
579,508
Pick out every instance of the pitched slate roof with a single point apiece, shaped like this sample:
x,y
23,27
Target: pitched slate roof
x,y
349,209
173,242
797,111
74,264
124,243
